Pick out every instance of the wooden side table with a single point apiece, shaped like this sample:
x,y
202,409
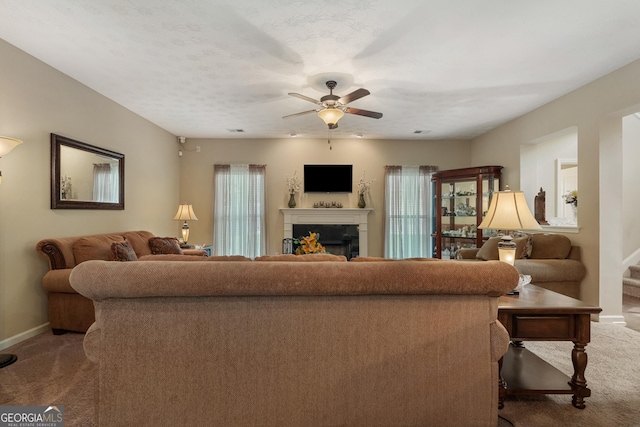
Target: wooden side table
x,y
537,314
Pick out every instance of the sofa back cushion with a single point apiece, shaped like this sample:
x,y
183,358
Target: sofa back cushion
x,y
96,247
489,250
550,246
139,241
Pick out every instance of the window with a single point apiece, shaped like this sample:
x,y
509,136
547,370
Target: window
x,y
407,211
105,182
239,210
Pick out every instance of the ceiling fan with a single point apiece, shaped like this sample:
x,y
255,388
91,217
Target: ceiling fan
x,y
333,106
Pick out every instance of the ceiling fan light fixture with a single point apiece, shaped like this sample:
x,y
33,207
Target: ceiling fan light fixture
x,y
331,116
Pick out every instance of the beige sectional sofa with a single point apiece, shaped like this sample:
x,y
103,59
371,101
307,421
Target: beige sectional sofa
x,y
274,342
68,310
550,259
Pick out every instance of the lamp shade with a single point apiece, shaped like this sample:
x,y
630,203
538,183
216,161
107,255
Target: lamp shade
x,y
7,144
330,115
185,213
509,211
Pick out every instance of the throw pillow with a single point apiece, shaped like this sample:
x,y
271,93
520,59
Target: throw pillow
x,y
122,251
489,250
550,246
164,245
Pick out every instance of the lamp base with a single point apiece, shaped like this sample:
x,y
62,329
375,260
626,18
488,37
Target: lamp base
x,y
7,359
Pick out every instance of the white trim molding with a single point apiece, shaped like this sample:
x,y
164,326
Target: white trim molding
x,y
16,339
336,216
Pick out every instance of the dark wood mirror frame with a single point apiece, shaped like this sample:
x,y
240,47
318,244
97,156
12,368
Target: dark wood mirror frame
x,y
56,202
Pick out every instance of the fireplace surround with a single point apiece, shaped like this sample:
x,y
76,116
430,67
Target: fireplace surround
x,y
331,216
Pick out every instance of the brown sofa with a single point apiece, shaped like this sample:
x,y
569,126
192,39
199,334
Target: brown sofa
x,y
550,259
68,310
286,343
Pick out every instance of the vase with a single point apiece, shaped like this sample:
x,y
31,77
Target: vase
x,y
361,202
292,200
574,211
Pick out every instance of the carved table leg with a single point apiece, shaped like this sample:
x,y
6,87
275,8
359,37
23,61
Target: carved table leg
x,y
578,381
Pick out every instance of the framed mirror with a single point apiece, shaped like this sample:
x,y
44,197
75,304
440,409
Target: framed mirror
x,y
84,176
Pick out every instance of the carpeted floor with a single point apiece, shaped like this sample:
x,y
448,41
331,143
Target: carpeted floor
x,y
53,370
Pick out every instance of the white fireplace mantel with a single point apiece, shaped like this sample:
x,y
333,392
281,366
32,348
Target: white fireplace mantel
x,y
336,216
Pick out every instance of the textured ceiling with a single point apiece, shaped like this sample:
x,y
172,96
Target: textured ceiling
x,y
450,68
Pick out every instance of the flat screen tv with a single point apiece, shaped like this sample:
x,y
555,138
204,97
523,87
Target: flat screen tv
x,y
328,178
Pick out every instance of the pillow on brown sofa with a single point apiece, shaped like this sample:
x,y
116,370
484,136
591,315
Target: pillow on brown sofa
x,y
489,250
164,245
122,251
550,246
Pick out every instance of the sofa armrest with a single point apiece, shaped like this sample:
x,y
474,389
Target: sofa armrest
x,y
53,253
92,342
499,340
466,253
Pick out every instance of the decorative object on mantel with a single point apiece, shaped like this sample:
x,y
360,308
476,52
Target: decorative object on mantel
x,y
309,244
327,205
293,185
571,198
540,207
363,187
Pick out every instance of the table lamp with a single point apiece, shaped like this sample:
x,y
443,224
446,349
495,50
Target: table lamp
x,y
508,211
185,213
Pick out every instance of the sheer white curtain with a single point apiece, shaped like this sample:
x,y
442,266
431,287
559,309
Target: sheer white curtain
x,y
105,183
408,211
239,210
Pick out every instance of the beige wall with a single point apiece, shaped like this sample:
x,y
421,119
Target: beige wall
x,y
631,179
36,101
596,110
285,156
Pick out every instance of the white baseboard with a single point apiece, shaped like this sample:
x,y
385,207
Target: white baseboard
x,y
615,320
24,336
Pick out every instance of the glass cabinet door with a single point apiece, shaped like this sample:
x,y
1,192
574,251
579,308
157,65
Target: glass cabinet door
x,y
461,199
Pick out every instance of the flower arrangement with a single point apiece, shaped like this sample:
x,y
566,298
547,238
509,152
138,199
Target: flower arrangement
x,y
308,244
65,187
293,183
571,197
364,185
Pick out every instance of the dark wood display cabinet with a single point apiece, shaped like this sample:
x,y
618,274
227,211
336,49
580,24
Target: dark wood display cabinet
x,y
461,199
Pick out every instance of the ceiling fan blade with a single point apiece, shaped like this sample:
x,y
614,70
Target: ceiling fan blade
x,y
306,98
299,114
365,113
356,94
